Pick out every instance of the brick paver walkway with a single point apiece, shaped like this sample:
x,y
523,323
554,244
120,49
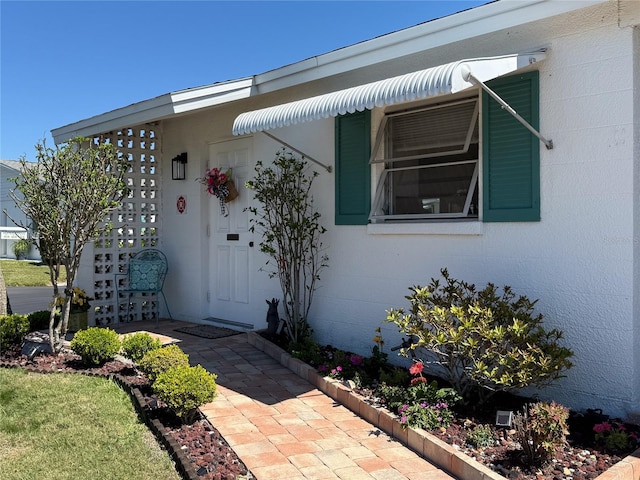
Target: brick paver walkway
x,y
282,427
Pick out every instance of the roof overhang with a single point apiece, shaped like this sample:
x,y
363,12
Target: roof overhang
x,y
387,49
158,108
441,80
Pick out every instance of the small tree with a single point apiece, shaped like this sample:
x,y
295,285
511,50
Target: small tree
x,y
291,233
68,194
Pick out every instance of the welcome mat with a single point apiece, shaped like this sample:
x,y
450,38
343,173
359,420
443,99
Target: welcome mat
x,y
208,331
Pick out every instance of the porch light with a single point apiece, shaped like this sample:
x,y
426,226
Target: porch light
x,y
178,167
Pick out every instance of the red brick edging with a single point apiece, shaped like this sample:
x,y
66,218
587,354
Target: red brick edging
x,y
422,442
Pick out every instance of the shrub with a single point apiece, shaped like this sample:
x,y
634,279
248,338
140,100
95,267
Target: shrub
x,y
21,248
13,328
96,345
39,320
481,436
541,429
614,437
155,362
422,405
481,338
307,350
425,415
136,345
184,389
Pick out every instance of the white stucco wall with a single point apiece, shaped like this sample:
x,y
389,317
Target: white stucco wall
x,y
580,260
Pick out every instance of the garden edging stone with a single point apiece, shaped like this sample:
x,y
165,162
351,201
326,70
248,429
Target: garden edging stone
x,y
422,442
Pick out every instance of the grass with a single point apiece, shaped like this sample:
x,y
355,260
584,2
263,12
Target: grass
x,y
22,273
65,427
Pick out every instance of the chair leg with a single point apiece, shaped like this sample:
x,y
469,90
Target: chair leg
x,y
128,308
166,305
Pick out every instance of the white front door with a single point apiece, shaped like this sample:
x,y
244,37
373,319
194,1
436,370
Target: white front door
x,y
231,252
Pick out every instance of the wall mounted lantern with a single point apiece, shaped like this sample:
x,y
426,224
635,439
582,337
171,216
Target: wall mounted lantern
x,y
179,167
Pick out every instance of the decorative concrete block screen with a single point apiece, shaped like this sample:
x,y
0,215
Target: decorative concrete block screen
x,y
136,225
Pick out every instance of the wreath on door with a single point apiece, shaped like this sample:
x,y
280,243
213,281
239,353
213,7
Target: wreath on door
x,y
221,185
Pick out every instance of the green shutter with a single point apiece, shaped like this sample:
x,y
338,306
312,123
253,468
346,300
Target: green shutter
x,y
511,154
353,173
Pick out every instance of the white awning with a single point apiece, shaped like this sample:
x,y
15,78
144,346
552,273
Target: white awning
x,y
442,80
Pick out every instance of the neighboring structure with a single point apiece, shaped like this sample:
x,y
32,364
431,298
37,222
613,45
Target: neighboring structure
x,y
9,231
427,171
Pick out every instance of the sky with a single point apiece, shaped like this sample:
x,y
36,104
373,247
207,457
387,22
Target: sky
x,y
61,62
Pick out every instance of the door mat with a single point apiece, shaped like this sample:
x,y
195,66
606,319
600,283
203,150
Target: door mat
x,y
208,331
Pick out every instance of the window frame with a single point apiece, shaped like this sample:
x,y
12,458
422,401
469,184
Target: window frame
x,y
380,145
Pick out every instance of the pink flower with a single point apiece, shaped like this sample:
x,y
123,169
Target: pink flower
x,y
602,427
416,368
356,359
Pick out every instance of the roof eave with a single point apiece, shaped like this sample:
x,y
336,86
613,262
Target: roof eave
x,y
461,26
457,27
155,109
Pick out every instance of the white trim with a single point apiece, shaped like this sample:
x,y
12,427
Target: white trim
x,y
371,54
157,108
472,227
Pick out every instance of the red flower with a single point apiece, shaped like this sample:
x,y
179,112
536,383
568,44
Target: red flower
x,y
416,368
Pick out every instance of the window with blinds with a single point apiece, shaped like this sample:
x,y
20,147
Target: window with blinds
x,y
431,163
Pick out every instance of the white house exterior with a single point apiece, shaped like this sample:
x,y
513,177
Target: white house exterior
x,y
9,231
557,224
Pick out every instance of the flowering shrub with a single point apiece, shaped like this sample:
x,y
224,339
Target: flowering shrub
x,y
421,405
484,341
416,371
614,436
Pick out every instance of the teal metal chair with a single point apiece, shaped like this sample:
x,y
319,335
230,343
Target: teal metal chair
x,y
145,275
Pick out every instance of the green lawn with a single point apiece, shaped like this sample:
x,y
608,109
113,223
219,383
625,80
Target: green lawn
x,y
21,273
68,427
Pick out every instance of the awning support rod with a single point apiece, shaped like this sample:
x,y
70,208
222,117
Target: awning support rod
x,y
326,167
508,108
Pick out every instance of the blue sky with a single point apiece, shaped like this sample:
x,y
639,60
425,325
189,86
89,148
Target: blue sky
x,y
61,62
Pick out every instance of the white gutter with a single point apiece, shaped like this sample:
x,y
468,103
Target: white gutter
x,y
432,34
157,108
429,35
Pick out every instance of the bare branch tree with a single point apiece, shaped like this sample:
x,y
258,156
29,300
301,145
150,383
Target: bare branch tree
x,y
291,233
67,195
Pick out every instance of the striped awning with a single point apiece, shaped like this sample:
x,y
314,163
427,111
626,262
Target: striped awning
x,y
441,80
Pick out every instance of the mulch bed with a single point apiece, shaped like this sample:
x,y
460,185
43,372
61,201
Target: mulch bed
x,y
580,459
211,458
201,452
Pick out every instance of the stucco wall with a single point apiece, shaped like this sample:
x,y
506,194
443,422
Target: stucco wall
x,y
580,260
